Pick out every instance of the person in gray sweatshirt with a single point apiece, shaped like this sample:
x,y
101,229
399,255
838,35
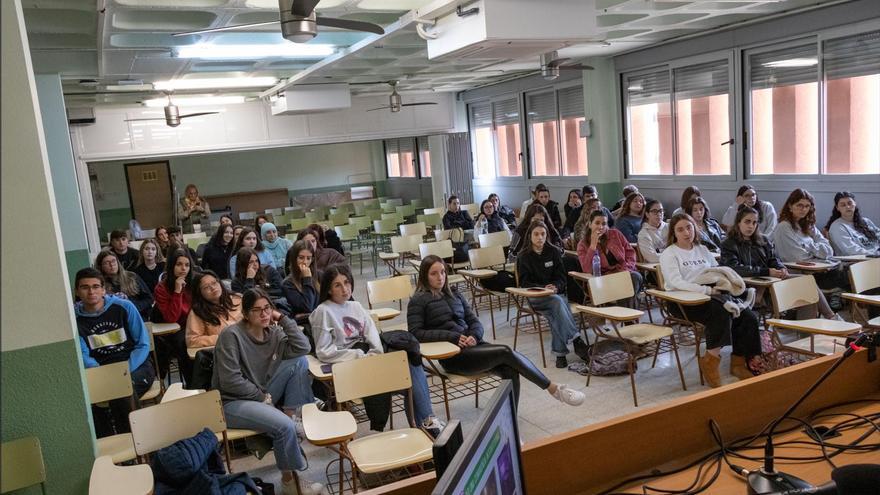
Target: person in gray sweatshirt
x,y
263,377
849,231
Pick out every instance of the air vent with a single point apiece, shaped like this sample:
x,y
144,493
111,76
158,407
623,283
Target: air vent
x,y
150,176
81,116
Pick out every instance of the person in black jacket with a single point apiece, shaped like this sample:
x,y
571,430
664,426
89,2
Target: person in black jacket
x,y
128,257
301,287
437,313
455,216
249,274
503,210
539,265
488,220
552,207
218,251
751,254
534,213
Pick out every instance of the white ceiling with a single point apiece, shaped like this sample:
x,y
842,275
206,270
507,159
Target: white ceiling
x,y
130,40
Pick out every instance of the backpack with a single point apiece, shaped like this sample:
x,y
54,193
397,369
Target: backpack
x,y
460,247
499,282
609,359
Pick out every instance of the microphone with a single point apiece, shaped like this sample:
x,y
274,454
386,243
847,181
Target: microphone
x,y
767,481
855,479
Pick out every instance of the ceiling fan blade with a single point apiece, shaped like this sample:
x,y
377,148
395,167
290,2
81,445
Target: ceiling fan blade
x,y
303,8
226,28
557,62
576,67
380,108
137,120
196,114
367,27
417,104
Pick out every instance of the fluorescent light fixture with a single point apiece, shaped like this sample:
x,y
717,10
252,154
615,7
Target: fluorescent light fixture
x,y
221,52
215,83
792,62
195,101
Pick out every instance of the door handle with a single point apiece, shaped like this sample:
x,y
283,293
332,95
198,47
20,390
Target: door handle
x,y
729,141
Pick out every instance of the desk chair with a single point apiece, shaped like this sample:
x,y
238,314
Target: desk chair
x,y
297,224
105,383
485,263
802,292
864,276
402,248
22,465
633,335
452,385
433,220
351,234
378,452
388,290
520,298
108,478
414,228
500,238
338,218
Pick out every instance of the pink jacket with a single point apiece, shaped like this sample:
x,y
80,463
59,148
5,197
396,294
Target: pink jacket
x,y
619,247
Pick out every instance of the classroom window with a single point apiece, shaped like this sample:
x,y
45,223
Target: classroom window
x,y
649,123
702,119
571,120
543,133
481,139
424,157
554,120
508,143
400,157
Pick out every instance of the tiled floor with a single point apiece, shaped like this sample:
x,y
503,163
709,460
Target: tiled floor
x,y
539,414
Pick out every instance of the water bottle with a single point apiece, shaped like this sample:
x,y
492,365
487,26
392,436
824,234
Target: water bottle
x,y
597,264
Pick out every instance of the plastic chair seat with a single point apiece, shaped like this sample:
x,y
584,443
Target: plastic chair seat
x,y
119,448
390,450
327,428
642,333
153,392
817,325
107,478
617,313
385,313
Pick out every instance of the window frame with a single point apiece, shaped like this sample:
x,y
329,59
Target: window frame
x,y
417,170
529,145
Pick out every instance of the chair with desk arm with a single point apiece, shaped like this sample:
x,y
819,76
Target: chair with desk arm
x,y
865,280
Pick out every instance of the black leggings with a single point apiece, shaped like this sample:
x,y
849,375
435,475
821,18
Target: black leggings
x,y
498,359
722,329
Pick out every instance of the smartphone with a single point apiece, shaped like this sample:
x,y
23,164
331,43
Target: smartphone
x,y
326,368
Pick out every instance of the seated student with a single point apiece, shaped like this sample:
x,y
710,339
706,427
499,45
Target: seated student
x,y
652,237
689,194
248,238
213,309
615,253
111,330
488,220
327,239
258,223
542,196
533,196
589,192
627,190
591,205
748,196
798,240
681,264
251,274
216,255
276,245
539,265
324,257
455,217
263,377
504,211
151,263
535,213
572,206
709,231
438,313
851,233
629,221
163,238
119,245
236,233
226,219
176,237
123,283
301,288
344,330
173,303
751,254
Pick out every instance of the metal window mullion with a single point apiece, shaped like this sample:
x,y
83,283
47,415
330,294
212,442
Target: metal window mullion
x,y
674,126
823,101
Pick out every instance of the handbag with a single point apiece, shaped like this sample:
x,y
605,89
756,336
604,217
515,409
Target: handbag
x,y
460,247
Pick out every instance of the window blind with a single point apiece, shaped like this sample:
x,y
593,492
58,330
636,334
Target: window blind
x,y
780,67
505,112
481,115
648,88
571,102
852,56
697,81
541,107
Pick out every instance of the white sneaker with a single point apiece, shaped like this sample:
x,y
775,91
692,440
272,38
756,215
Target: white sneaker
x,y
291,488
433,425
568,396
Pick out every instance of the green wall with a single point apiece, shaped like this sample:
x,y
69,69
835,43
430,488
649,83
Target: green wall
x,y
112,219
38,382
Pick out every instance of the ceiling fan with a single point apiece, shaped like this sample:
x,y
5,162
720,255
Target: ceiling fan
x,y
550,65
299,23
172,114
395,102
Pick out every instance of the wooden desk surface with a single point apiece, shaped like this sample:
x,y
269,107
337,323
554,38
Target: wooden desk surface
x,y
816,266
594,458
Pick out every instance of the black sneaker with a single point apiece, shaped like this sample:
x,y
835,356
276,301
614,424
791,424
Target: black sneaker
x,y
581,349
561,362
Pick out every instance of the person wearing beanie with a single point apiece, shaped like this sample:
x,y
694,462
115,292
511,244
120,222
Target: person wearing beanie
x,y
275,245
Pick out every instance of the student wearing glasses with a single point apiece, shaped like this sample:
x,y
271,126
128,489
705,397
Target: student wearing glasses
x,y
123,283
213,309
654,231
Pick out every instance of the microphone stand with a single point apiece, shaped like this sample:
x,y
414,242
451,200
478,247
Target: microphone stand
x,y
767,480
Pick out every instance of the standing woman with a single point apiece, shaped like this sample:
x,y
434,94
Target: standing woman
x,y
251,274
488,221
615,252
249,239
540,265
850,232
218,251
797,238
151,263
709,231
213,309
345,331
193,209
748,196
652,237
123,283
173,303
629,222
681,263
263,377
437,313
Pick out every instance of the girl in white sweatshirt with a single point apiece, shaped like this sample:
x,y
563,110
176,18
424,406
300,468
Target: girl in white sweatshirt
x,y
680,264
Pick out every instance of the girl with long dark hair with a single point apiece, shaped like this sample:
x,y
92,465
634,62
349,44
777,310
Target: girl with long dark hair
x,y
851,233
123,283
218,251
213,309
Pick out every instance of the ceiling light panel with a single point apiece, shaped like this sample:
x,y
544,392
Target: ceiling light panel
x,y
232,52
151,40
215,83
404,5
195,101
157,20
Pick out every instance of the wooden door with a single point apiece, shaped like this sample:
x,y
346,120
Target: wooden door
x,y
149,190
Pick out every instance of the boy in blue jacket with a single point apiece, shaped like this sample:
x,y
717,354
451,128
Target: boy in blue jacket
x,y
111,330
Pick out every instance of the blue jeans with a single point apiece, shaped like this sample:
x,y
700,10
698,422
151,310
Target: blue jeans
x,y
290,386
421,396
563,328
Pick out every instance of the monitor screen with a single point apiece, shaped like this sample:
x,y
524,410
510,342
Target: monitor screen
x,y
489,462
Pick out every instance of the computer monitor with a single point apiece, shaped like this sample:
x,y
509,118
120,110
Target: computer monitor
x,y
489,462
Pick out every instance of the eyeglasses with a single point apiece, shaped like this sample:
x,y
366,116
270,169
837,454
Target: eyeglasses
x,y
801,206
265,310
